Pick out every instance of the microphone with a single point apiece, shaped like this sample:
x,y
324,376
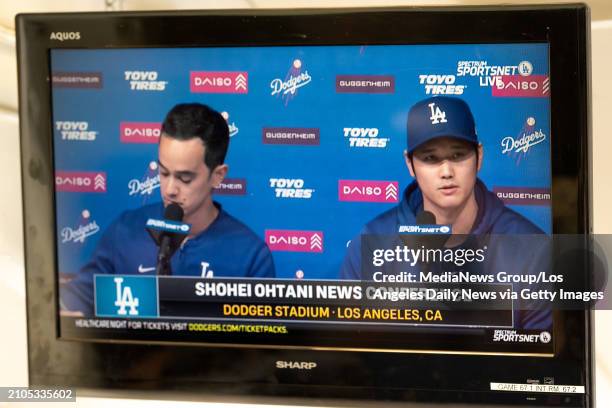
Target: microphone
x,y
173,212
425,218
168,235
434,241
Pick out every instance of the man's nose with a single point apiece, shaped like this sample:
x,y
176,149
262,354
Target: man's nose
x,y
172,187
446,169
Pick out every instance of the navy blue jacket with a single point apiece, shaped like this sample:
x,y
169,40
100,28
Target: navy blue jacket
x,y
493,220
227,248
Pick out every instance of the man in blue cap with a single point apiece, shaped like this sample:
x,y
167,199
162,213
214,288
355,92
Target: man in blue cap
x,y
444,156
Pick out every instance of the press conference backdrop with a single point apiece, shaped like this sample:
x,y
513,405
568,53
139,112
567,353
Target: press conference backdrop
x,y
317,135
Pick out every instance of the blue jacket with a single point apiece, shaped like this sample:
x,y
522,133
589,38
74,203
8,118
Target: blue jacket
x,y
493,220
227,248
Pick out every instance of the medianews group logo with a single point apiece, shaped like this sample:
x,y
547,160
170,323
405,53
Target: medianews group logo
x,y
294,240
368,191
514,336
80,182
291,136
144,81
230,82
441,84
147,184
92,80
365,137
297,77
290,188
140,132
75,130
529,136
86,228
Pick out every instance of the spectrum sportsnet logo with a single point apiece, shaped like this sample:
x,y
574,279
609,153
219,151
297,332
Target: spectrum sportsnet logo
x,y
527,138
368,191
294,240
365,137
235,82
144,81
513,336
290,188
140,132
80,182
295,79
146,185
233,129
71,130
424,229
441,85
79,234
487,74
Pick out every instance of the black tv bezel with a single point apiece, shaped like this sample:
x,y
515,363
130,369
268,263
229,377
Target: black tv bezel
x,y
340,374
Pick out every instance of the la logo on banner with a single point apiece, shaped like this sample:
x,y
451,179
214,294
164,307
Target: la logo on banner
x,y
437,115
125,299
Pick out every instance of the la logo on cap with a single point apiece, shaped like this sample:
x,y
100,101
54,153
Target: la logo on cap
x,y
437,114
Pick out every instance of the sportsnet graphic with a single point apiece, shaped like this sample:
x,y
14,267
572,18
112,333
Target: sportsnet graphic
x,y
317,136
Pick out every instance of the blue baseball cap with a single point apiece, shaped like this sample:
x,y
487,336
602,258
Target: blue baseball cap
x,y
440,116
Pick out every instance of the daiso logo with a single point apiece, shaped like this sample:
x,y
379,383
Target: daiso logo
x,y
140,132
80,181
368,191
294,240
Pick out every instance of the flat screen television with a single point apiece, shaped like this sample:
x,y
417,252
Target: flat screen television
x,y
300,203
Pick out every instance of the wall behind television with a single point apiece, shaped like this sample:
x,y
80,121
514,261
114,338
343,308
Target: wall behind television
x,y
13,350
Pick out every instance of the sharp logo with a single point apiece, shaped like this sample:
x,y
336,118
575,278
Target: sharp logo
x,y
365,137
70,130
144,81
65,36
290,188
441,85
296,365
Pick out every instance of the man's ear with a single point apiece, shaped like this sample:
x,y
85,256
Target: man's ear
x,y
480,156
219,174
409,163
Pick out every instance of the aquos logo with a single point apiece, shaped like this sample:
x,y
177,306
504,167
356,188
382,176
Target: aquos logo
x,y
65,36
146,185
233,129
296,365
144,81
441,85
290,188
368,191
365,137
70,130
294,240
86,228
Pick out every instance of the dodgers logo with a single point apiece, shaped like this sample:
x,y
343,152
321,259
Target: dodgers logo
x,y
86,228
295,78
528,137
437,114
126,296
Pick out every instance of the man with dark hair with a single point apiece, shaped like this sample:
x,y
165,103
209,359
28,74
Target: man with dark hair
x,y
444,155
192,148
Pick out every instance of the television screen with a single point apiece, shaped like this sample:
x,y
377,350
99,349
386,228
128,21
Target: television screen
x,y
365,195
